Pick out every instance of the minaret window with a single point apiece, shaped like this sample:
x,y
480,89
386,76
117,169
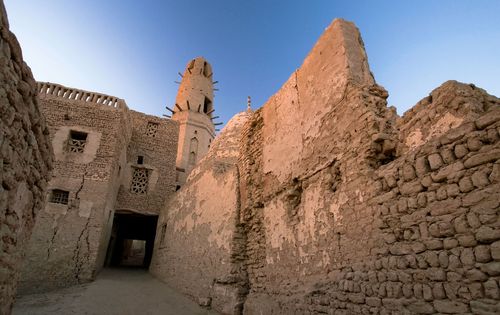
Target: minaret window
x,y
207,105
206,69
193,151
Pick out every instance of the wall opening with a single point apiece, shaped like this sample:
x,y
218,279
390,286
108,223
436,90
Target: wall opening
x,y
59,196
140,160
77,141
132,240
207,105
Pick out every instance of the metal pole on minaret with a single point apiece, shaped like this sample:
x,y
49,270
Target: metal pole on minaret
x,y
249,104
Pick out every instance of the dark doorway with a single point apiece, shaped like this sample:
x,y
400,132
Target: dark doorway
x,y
132,240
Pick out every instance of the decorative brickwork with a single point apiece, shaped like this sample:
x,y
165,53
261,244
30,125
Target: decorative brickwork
x,y
139,184
152,129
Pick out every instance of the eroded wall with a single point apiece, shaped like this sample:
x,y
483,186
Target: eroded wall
x,y
197,231
344,216
25,160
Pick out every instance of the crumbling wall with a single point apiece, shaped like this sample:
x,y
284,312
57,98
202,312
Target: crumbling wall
x,y
153,146
342,216
341,212
25,160
69,240
198,229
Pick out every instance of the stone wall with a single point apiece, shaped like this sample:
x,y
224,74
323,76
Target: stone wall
x,y
69,240
158,149
198,228
25,160
346,208
337,222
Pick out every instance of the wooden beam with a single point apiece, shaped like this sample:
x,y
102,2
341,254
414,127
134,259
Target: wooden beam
x,y
189,107
168,116
199,108
213,110
178,107
169,109
218,124
215,117
180,74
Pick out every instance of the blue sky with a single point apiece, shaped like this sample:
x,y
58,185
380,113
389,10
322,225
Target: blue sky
x,y
134,49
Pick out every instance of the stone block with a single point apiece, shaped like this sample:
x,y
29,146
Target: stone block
x,y
480,179
460,151
482,253
482,158
465,184
435,161
491,268
421,166
420,307
450,307
475,275
491,290
488,119
486,234
495,250
485,308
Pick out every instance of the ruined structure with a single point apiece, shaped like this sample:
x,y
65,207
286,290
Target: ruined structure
x,y
324,201
25,159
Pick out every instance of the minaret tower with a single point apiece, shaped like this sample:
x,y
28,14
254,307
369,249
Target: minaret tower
x,y
193,109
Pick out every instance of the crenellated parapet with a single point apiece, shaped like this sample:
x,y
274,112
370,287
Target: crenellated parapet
x,y
47,89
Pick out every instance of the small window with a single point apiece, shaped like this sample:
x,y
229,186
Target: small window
x,y
206,70
59,196
139,181
77,141
152,129
207,105
140,160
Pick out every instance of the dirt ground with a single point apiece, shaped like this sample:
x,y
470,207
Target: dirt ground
x,y
115,291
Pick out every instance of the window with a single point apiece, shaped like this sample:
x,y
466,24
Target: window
x,y
207,105
139,181
206,70
140,160
59,196
77,141
152,129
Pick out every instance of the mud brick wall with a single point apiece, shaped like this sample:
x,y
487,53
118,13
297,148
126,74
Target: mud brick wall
x,y
158,151
25,160
69,240
197,238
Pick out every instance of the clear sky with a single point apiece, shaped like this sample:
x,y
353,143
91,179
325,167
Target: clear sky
x,y
134,49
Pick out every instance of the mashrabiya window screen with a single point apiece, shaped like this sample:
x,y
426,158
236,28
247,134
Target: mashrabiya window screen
x,y
152,129
139,183
77,141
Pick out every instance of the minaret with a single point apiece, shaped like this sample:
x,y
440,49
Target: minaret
x,y
193,110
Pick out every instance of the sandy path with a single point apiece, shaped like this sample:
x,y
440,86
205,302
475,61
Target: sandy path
x,y
115,291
